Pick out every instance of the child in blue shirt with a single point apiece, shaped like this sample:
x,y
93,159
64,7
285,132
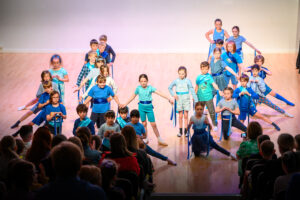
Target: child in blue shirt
x,y
141,133
94,46
83,120
100,93
245,96
123,118
54,111
145,105
59,74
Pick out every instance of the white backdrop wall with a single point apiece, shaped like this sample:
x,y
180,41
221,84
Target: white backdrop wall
x,y
144,25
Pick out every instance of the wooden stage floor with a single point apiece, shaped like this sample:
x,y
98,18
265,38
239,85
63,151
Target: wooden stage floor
x,y
20,77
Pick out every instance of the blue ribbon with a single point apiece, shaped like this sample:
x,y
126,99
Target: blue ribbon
x,y
145,102
229,127
217,74
57,119
100,101
182,93
173,114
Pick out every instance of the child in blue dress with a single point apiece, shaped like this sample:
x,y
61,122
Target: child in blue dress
x,y
202,141
144,91
184,88
59,74
239,40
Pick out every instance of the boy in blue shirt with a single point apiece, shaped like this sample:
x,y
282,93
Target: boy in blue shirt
x,y
245,96
100,94
83,120
123,119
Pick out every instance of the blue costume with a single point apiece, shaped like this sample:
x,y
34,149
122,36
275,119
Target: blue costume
x,y
61,85
232,61
87,122
238,43
216,36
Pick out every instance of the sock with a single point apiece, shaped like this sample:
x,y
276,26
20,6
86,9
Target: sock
x,y
276,127
180,130
185,131
281,98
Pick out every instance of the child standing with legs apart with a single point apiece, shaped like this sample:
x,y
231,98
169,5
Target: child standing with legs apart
x,y
201,138
145,104
229,108
183,89
59,75
204,89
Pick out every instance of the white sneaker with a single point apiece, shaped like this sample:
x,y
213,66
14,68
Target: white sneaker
x,y
161,142
146,140
21,108
179,134
215,129
288,115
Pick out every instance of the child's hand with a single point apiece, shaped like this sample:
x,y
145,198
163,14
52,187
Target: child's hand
x,y
212,41
242,93
122,106
171,101
47,102
221,93
258,51
256,81
176,97
247,93
60,113
76,90
109,99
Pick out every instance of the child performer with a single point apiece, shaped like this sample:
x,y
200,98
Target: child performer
x,y
201,138
94,46
108,49
263,72
109,124
83,120
59,74
258,85
101,52
229,107
238,40
123,118
218,33
100,93
244,96
87,68
234,61
144,91
204,89
184,88
52,110
219,44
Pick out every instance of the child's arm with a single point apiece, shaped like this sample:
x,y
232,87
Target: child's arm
x,y
207,36
81,85
50,116
231,71
93,83
196,88
236,93
114,86
252,94
170,88
217,88
268,72
190,124
236,111
219,109
41,105
64,79
164,96
191,89
206,121
113,55
83,73
226,34
250,45
117,100
129,100
88,99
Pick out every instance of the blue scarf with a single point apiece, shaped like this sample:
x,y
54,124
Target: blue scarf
x,y
121,121
85,122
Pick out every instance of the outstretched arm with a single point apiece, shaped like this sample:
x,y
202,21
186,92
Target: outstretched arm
x,y
207,36
129,100
251,45
164,96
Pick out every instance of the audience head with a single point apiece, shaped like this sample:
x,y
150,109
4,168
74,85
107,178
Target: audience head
x,y
297,140
20,146
109,171
58,139
254,130
118,145
291,162
130,137
8,147
75,140
262,138
267,149
84,134
25,132
285,143
91,174
97,140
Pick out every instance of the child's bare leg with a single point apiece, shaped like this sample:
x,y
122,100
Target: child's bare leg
x,y
25,116
30,123
260,116
32,102
186,114
145,126
180,118
155,130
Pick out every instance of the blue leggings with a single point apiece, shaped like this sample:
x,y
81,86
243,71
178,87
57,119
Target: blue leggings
x,y
155,154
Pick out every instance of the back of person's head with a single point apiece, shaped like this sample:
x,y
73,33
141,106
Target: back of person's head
x,y
267,149
130,137
8,147
135,113
84,134
285,142
97,140
220,42
57,139
91,174
262,138
20,146
25,132
75,140
66,159
109,172
21,174
118,145
41,145
254,130
297,140
291,162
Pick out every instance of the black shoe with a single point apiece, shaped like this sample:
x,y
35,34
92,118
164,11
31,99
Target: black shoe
x,y
15,125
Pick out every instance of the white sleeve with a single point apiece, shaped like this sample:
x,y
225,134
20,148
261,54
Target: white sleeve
x,y
93,83
113,85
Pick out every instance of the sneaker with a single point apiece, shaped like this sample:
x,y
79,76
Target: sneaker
x,y
21,108
288,115
161,142
233,157
146,140
179,134
215,129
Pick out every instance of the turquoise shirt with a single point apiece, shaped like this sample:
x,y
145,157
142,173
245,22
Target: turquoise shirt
x,y
233,61
205,88
61,73
145,94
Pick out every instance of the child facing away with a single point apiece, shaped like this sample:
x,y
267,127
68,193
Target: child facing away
x,y
141,133
204,89
59,74
123,118
144,91
54,111
202,141
245,96
184,89
228,108
83,120
45,76
100,94
26,133
258,85
87,67
263,72
94,46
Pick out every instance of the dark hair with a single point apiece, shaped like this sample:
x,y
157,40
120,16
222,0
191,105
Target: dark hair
x,y
262,138
101,78
20,146
217,49
7,147
93,41
199,103
254,130
297,139
57,139
44,73
55,56
285,142
66,159
233,44
236,27
91,174
81,108
25,131
218,20
123,110
84,135
220,41
255,66
109,170
143,76
118,145
244,77
97,140
184,69
47,84
267,148
135,113
228,88
103,37
259,57
204,64
75,140
110,114
130,136
291,161
51,96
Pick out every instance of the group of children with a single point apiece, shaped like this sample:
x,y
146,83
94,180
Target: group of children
x,y
96,86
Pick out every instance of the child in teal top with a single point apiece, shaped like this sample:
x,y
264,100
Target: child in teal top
x,y
144,91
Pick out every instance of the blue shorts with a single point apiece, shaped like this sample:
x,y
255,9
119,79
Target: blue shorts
x,y
268,90
233,79
35,108
146,110
40,118
243,113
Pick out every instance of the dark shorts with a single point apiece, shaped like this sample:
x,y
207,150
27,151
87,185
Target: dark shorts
x,y
98,118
